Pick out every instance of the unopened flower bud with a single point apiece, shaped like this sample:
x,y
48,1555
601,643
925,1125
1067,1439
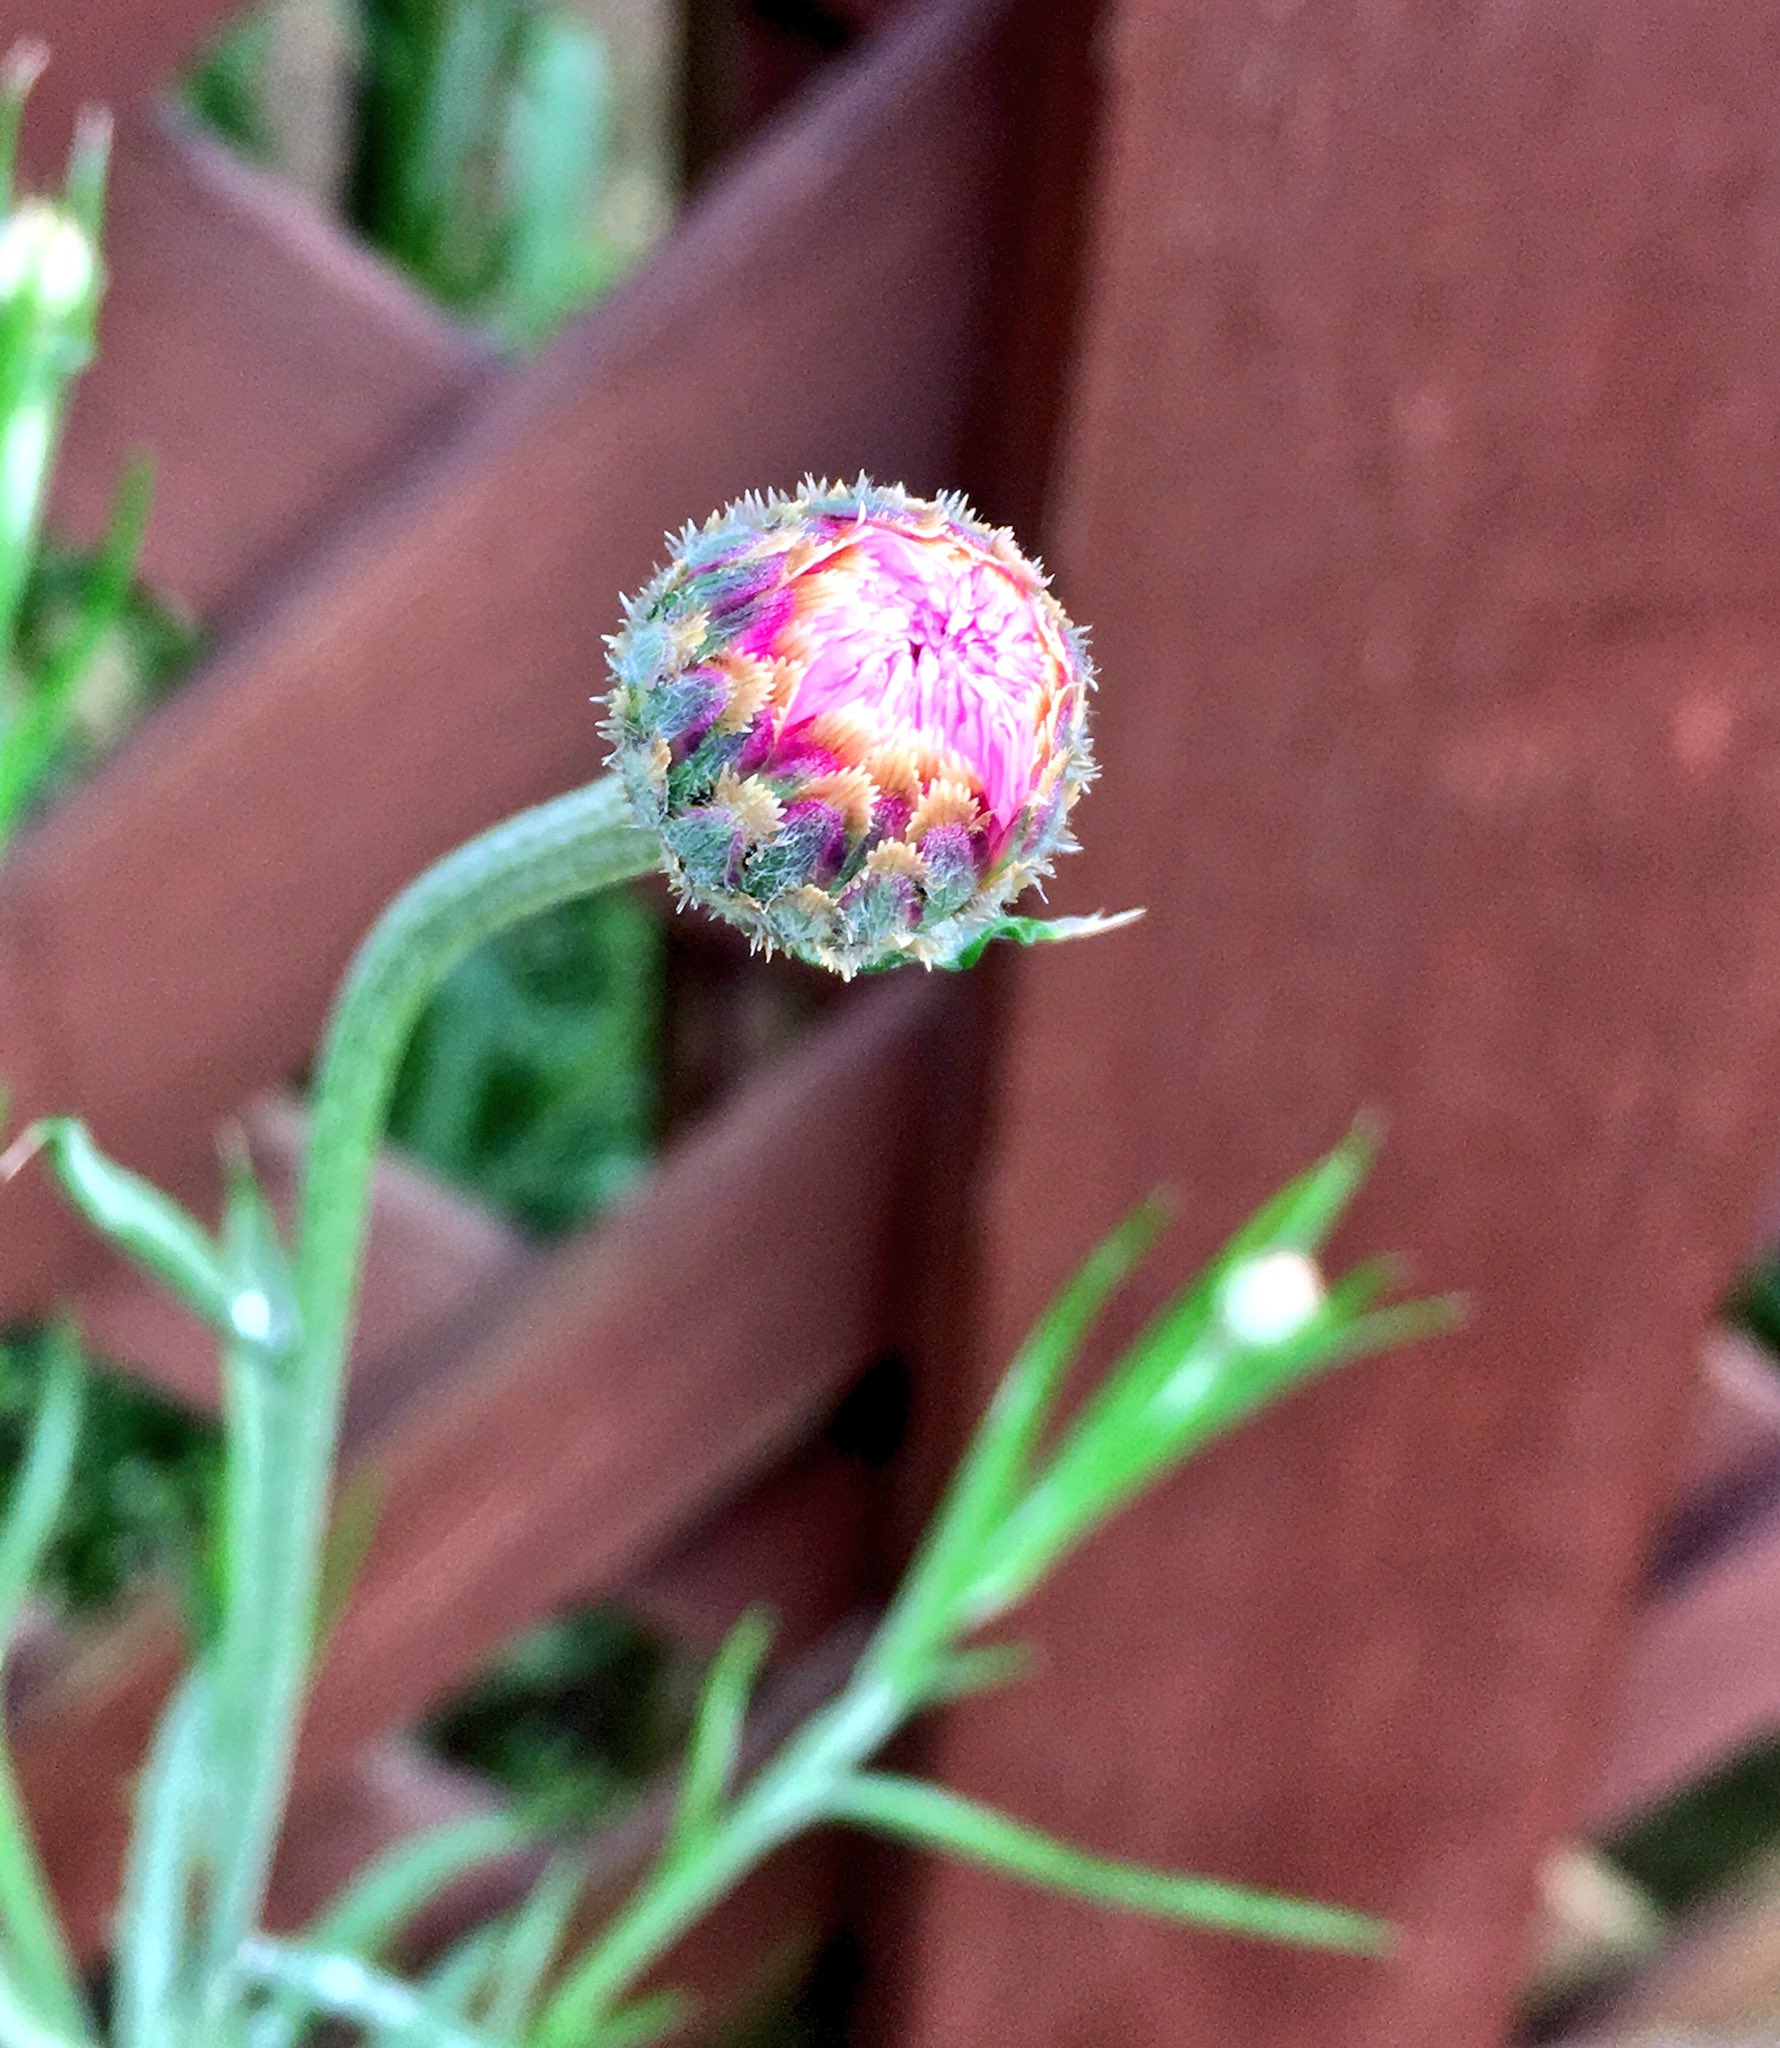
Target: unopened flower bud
x,y
45,251
858,720
1269,1299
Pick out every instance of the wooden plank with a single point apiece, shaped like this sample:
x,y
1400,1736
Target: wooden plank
x,y
1702,1682
271,365
1736,1424
430,670
796,1540
1432,594
622,1390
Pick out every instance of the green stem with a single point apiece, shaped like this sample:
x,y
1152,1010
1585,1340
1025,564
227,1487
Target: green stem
x,y
798,1789
43,1960
565,849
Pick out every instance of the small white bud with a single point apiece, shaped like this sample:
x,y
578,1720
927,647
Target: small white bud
x,y
47,251
1268,1299
251,1313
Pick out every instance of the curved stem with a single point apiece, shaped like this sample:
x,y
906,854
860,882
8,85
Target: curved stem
x,y
561,850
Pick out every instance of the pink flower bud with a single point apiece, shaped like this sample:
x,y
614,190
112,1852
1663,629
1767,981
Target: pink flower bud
x,y
857,719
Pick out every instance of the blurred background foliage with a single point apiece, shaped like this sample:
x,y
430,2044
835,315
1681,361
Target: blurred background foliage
x,y
513,158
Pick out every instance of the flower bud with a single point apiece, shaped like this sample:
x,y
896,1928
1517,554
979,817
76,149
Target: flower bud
x,y
46,252
857,719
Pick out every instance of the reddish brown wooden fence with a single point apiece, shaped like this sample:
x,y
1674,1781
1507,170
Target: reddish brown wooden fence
x,y
1413,453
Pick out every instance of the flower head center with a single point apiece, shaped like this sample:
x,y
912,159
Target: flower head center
x,y
934,641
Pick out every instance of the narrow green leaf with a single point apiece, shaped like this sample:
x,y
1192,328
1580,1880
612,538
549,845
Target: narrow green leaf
x,y
1190,1376
648,2019
262,1417
717,1733
348,1988
996,1465
89,160
40,733
351,1531
22,68
151,2004
458,1979
932,1818
20,2027
555,144
387,1893
529,1946
34,1940
42,1482
958,1674
146,1225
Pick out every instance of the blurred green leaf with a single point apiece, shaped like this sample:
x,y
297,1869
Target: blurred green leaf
x,y
931,1818
346,1987
148,1227
39,736
153,1985
556,136
528,1946
997,1464
645,2021
717,1733
1191,1375
37,1953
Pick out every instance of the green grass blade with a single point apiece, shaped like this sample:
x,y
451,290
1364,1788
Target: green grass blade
x,y
386,1895
529,1946
34,1942
931,1818
645,2021
151,2000
717,1733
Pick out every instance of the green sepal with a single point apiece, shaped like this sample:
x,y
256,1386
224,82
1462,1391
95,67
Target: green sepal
x,y
1038,931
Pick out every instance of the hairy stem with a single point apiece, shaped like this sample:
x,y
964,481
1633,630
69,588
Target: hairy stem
x,y
562,850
